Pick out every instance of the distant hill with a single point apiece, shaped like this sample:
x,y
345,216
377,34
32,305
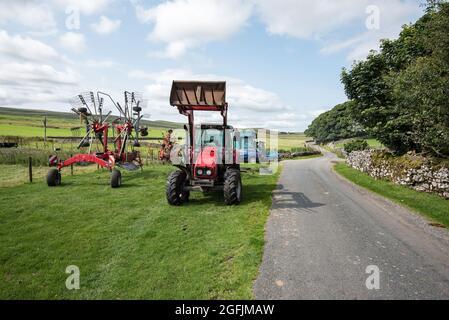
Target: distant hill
x,y
71,116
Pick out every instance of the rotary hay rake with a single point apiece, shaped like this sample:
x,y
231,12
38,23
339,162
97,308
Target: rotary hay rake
x,y
89,107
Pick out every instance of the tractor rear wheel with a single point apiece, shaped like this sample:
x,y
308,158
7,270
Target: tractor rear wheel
x,y
53,178
116,178
232,189
176,195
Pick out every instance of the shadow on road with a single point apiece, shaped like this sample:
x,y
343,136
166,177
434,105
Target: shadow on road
x,y
284,199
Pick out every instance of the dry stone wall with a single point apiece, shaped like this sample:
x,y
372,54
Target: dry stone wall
x,y
409,170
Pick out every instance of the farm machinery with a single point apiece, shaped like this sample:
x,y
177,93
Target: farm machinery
x,y
126,131
210,160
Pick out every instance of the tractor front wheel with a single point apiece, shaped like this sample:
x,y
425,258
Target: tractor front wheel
x,y
116,179
232,188
176,195
53,178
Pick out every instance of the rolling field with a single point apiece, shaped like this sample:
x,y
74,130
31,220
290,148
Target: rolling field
x,y
29,123
291,141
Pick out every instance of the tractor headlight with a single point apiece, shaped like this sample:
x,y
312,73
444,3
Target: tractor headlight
x,y
199,171
209,172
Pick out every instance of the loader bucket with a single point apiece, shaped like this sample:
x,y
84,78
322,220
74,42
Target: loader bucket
x,y
191,94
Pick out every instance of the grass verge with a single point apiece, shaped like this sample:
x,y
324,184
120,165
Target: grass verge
x,y
431,206
127,242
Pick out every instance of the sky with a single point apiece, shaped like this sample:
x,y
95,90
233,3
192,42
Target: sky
x,y
281,59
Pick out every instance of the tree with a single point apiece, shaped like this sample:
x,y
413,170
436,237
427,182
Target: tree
x,y
335,124
400,94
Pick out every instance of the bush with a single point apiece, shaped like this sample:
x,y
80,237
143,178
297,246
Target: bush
x,y
356,145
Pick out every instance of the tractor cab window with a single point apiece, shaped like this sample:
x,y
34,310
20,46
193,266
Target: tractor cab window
x,y
211,138
208,137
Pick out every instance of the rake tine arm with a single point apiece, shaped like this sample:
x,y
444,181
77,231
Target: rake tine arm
x,y
84,138
107,116
84,103
92,98
116,105
119,107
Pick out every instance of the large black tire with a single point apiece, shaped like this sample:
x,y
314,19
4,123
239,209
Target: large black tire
x,y
53,178
176,195
232,189
116,179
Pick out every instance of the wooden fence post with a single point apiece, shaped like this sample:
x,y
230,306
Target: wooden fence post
x,y
71,166
45,130
30,169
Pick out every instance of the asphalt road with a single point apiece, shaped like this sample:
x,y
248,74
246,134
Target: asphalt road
x,y
323,233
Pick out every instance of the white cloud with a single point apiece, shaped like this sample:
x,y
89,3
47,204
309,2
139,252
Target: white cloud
x,y
322,20
186,24
249,106
307,19
106,25
33,74
85,6
73,41
21,73
25,47
36,85
393,14
29,13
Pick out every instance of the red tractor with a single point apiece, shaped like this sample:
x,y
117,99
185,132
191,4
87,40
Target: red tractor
x,y
210,160
126,127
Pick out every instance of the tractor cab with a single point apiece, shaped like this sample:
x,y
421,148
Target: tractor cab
x,y
211,159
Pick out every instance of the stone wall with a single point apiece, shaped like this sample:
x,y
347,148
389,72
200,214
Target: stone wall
x,y
416,172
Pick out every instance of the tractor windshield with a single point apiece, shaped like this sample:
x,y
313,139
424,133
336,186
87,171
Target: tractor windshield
x,y
211,138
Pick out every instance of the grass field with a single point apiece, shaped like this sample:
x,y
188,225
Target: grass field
x,y
431,206
291,141
127,242
38,131
29,123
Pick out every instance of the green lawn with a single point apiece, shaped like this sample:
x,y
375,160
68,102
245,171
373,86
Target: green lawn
x,y
432,206
127,242
372,143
